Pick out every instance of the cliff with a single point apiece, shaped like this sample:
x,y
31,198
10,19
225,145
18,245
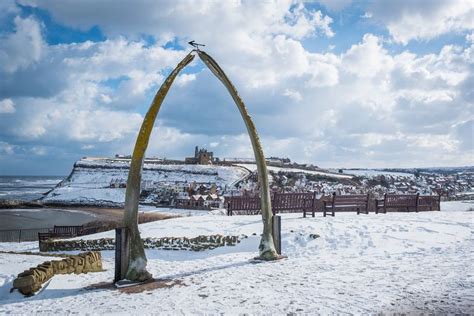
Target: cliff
x,y
101,181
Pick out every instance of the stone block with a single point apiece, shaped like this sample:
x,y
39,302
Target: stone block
x,y
30,281
25,281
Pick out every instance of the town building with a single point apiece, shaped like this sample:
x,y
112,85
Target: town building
x,y
201,157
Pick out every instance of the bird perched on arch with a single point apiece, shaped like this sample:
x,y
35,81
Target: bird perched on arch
x,y
195,45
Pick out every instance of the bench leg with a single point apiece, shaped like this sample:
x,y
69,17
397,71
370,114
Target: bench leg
x,y
304,214
324,213
313,213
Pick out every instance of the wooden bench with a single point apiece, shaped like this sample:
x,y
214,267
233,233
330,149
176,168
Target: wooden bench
x,y
351,202
242,205
293,202
281,203
65,230
397,201
431,202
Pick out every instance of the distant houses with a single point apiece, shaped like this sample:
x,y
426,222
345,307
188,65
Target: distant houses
x,y
448,184
199,201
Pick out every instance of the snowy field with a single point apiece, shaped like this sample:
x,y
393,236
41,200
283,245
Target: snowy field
x,y
253,168
396,262
369,173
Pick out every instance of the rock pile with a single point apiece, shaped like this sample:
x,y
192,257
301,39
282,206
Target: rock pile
x,y
30,281
198,243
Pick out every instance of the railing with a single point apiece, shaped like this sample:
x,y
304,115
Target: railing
x,y
296,202
19,235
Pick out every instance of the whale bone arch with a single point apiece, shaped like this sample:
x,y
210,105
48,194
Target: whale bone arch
x,y
136,268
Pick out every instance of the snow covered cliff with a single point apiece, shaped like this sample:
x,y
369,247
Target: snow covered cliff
x,y
101,181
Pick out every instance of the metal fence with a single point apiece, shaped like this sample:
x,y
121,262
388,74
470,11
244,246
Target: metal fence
x,y
19,235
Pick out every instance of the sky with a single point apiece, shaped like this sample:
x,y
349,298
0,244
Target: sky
x,y
334,83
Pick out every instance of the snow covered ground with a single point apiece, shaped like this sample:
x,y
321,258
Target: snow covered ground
x,y
370,173
454,206
253,167
395,262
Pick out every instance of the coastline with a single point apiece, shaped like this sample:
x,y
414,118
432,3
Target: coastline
x,y
26,215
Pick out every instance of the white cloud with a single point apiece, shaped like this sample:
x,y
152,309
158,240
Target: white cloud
x,y
304,23
424,20
368,58
7,106
20,49
184,79
293,94
323,70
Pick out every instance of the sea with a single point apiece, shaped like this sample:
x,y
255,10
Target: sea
x,y
26,188
32,221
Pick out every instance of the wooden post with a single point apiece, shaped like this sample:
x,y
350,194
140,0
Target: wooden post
x,y
276,223
417,201
122,248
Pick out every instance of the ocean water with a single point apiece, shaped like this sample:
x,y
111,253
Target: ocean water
x,y
32,221
27,188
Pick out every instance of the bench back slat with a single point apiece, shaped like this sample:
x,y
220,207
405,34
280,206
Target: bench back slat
x,y
350,200
292,201
72,230
428,200
401,200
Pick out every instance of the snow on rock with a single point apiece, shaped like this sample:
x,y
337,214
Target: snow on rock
x,y
91,179
387,263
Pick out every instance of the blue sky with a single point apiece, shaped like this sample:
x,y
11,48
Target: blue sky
x,y
334,83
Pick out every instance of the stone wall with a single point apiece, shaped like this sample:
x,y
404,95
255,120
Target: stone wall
x,y
198,243
30,281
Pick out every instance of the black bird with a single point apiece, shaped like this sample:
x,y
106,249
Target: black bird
x,y
195,45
